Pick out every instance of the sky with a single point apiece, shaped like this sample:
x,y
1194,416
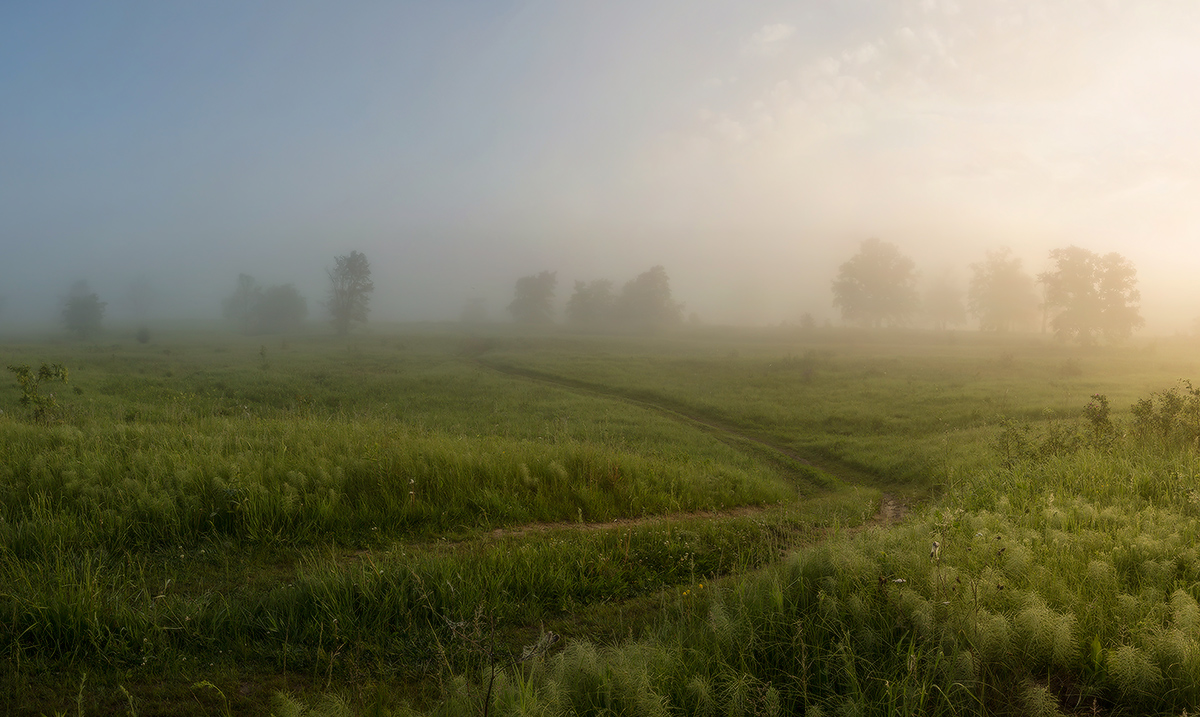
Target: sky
x,y
748,147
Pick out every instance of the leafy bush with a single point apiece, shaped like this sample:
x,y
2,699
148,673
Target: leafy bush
x,y
43,406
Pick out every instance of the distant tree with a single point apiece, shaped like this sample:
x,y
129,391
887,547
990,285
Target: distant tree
x,y
243,302
592,303
876,286
83,311
943,302
533,300
281,308
1092,296
350,288
1001,294
474,311
645,301
264,311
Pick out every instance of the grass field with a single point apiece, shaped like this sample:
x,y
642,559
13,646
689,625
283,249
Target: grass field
x,y
713,522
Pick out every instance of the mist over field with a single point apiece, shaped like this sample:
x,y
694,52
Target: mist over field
x,y
746,147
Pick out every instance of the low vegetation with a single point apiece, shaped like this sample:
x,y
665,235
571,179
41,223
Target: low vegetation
x,y
593,525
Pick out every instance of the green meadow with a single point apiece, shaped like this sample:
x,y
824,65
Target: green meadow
x,y
424,520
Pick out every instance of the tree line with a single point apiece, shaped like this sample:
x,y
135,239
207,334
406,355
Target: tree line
x,y
254,308
643,303
281,308
1085,297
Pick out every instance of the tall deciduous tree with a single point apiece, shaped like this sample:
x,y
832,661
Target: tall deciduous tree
x,y
1001,294
350,288
533,300
645,301
1092,295
264,311
281,308
876,286
83,310
592,303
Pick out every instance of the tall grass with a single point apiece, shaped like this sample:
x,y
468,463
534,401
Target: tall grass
x,y
325,511
300,481
1064,582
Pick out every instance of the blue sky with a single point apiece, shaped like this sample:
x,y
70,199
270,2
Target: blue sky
x,y
746,146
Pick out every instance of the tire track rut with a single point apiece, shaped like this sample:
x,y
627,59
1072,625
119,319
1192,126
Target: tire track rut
x,y
892,508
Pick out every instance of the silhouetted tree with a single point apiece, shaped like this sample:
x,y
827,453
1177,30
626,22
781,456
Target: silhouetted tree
x,y
943,302
281,308
264,311
533,302
876,286
592,303
83,311
1093,295
350,288
645,301
1001,294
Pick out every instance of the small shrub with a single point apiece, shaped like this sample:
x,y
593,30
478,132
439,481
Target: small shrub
x,y
1101,431
43,406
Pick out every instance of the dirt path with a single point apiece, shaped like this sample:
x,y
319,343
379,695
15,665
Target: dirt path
x,y
892,508
674,411
534,528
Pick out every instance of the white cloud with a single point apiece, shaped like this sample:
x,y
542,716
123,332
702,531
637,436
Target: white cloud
x,y
981,112
770,38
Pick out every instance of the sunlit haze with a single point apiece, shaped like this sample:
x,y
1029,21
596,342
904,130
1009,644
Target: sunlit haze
x,y
748,147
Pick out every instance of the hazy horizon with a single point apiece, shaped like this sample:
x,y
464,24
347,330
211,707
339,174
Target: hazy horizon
x,y
746,147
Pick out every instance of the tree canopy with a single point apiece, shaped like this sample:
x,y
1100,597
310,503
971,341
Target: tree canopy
x,y
876,286
350,288
264,311
592,303
83,311
281,308
1001,294
533,300
645,301
1092,296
